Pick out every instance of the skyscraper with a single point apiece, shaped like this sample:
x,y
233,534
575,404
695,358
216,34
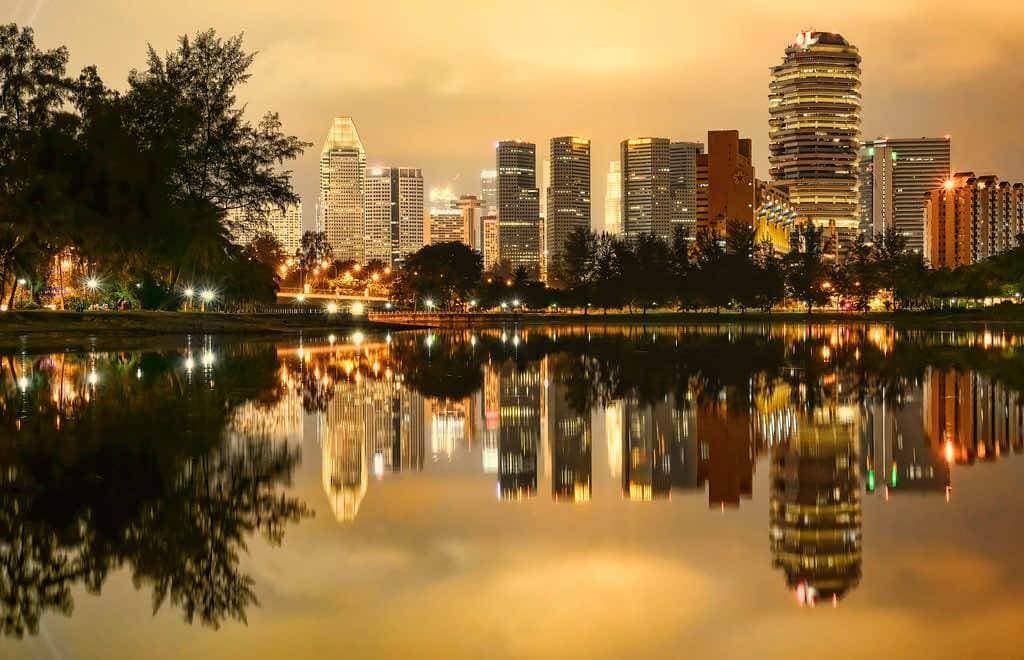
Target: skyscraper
x,y
342,173
814,105
393,212
725,183
443,218
469,206
518,205
568,193
646,190
489,192
283,224
902,172
683,183
613,199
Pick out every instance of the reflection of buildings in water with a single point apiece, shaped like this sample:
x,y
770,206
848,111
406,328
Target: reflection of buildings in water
x,y
647,440
281,422
569,439
896,451
448,428
815,507
369,426
519,430
724,428
492,419
613,437
971,417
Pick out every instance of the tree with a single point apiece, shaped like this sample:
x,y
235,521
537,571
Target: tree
x,y
806,274
265,249
650,277
313,249
575,265
680,266
444,273
708,283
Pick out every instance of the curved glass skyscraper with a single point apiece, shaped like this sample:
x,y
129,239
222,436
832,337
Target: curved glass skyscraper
x,y
814,128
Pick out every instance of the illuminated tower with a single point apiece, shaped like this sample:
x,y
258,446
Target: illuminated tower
x,y
568,192
519,236
342,173
489,192
613,199
393,212
646,189
814,128
683,183
896,175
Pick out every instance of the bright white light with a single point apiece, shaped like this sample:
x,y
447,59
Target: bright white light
x,y
357,338
208,295
208,359
93,378
429,303
23,383
331,339
189,292
332,308
21,281
387,305
515,303
301,297
92,284
429,341
190,364
357,309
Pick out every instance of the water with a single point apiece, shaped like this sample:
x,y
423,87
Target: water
x,y
736,490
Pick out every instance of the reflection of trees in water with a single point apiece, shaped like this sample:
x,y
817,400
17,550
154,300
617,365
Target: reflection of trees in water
x,y
130,469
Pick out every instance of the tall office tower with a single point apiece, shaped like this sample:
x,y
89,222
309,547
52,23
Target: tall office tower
x,y
489,192
393,212
342,173
971,218
568,193
613,199
444,219
646,190
283,224
866,193
683,183
814,105
518,205
472,228
545,184
491,241
815,509
725,183
902,172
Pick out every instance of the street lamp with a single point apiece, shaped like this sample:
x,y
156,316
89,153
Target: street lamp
x,y
429,303
92,283
207,296
332,308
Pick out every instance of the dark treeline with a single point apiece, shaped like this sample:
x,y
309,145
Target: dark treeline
x,y
601,271
137,473
134,187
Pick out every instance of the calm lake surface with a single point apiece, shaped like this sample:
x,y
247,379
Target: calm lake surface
x,y
728,490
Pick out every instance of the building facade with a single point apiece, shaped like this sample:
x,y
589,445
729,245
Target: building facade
x,y
775,219
519,205
971,218
342,177
683,183
895,177
568,193
613,199
469,206
815,129
285,225
393,212
646,187
489,192
725,183
491,241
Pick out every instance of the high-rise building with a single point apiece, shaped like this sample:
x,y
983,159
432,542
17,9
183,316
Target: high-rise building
x,y
901,172
472,228
489,192
725,183
646,190
518,205
491,241
568,193
342,173
683,183
971,218
814,105
283,224
775,219
613,199
443,220
393,212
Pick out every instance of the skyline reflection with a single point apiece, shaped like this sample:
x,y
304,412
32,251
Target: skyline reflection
x,y
820,417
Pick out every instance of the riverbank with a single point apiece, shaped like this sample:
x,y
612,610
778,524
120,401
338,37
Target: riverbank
x,y
1003,315
75,328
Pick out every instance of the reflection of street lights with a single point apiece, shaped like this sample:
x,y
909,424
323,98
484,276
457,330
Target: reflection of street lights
x,y
429,303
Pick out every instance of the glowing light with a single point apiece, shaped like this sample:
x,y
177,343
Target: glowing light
x,y
208,295
190,364
357,309
92,284
949,184
301,297
23,383
189,292
22,281
93,378
208,359
331,339
428,303
357,338
949,451
332,308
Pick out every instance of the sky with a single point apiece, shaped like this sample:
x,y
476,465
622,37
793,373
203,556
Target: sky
x,y
435,84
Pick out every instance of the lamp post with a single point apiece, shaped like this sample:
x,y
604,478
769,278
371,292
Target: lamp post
x,y
207,296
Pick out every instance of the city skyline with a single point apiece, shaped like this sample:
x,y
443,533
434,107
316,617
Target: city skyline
x,y
917,85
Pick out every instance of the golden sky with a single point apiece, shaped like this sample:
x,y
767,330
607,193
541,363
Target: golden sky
x,y
435,84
